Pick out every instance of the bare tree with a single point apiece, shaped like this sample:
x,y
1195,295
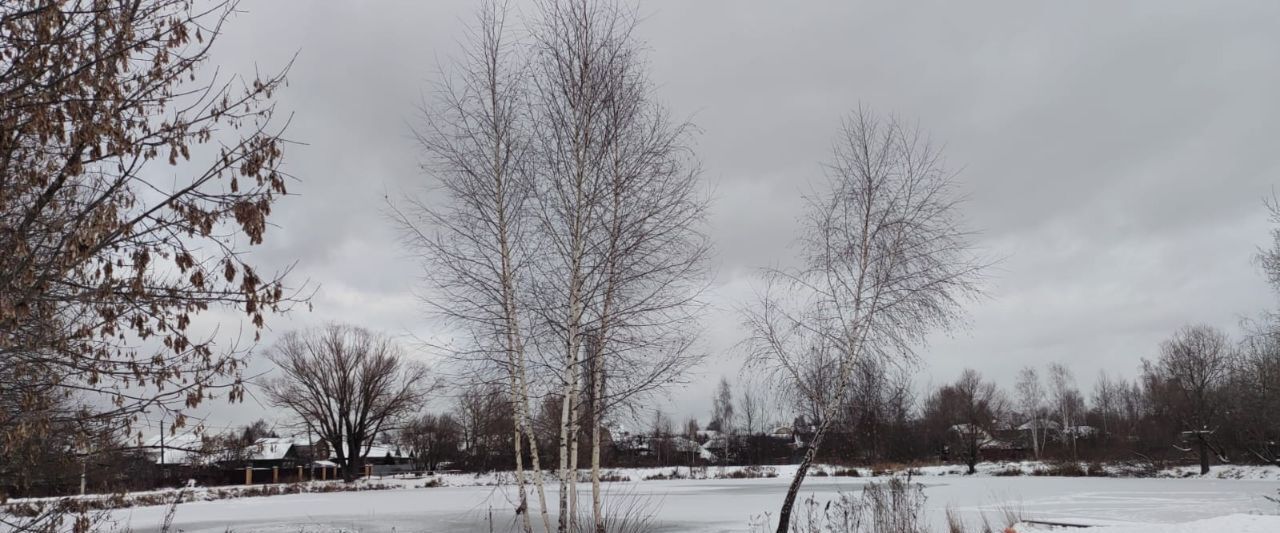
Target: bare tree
x,y
1194,364
641,316
1105,400
431,439
691,428
722,408
484,417
348,384
1031,402
885,261
619,224
1253,390
979,405
474,245
1066,398
878,399
1269,258
569,242
752,406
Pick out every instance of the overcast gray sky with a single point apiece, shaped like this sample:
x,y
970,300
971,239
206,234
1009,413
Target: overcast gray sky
x,y
1116,153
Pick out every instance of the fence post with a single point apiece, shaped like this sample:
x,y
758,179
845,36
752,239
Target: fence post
x,y
275,474
299,473
248,475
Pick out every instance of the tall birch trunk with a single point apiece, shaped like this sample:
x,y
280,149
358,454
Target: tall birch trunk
x,y
597,413
574,430
572,341
522,508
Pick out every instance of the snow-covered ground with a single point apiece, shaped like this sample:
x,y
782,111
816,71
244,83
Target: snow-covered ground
x,y
1236,523
465,503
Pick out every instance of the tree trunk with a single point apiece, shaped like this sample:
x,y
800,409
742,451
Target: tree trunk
x,y
573,327
784,516
574,430
971,458
1204,454
353,461
597,414
565,437
534,456
522,509
1035,439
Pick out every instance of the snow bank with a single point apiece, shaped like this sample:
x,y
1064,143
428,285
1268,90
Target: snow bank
x,y
1263,472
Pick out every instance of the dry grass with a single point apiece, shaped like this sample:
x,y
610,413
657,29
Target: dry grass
x,y
894,506
74,505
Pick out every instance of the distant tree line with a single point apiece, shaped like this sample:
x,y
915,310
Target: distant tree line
x,y
1202,398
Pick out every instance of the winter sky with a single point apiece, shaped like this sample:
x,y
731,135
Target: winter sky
x,y
1116,154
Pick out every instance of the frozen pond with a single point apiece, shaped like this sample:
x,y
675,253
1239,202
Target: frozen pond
x,y
713,505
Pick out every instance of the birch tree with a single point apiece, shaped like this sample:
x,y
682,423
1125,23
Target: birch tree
x,y
1062,387
473,244
1031,401
650,266
722,408
619,219
884,261
568,243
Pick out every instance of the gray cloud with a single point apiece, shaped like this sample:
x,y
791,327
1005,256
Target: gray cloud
x,y
1115,153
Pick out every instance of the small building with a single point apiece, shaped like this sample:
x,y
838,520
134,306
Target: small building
x,y
990,447
285,452
383,459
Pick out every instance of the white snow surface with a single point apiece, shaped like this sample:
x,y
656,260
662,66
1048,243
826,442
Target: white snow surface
x,y
463,502
1236,523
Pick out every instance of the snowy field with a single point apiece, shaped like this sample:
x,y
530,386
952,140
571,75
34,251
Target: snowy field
x,y
716,505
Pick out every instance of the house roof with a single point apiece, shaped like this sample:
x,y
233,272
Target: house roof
x,y
374,450
985,440
271,448
1040,425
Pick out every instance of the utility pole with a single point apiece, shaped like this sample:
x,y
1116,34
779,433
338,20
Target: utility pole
x,y
162,443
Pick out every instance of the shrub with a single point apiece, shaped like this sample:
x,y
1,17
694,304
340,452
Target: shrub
x,y
894,506
749,472
660,476
626,512
1096,469
1008,471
